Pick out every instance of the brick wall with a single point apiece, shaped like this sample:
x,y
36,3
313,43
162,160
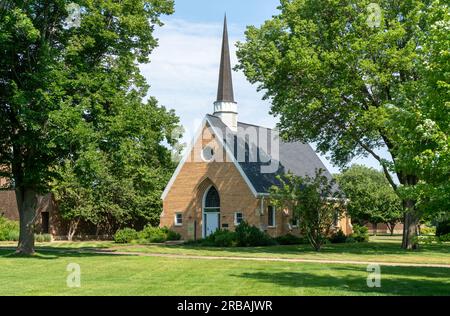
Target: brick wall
x,y
8,205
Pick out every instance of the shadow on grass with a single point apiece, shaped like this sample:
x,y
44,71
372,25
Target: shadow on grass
x,y
46,253
394,281
378,248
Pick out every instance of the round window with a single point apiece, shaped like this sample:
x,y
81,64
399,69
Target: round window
x,y
208,154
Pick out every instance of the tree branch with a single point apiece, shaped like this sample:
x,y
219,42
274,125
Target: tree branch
x,y
380,160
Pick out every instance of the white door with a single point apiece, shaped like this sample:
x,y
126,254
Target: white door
x,y
211,223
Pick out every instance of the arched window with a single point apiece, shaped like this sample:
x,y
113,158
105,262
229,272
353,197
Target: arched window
x,y
212,200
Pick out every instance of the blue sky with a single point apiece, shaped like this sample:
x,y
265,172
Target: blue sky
x,y
183,72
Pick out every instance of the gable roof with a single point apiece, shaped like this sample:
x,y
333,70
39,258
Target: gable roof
x,y
295,157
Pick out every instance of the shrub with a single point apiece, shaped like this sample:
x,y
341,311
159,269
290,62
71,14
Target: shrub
x,y
153,235
360,233
43,237
338,237
9,230
443,228
158,235
350,240
251,236
125,236
444,238
290,239
221,238
426,240
171,235
428,231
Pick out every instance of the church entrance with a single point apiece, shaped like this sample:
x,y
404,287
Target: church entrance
x,y
211,211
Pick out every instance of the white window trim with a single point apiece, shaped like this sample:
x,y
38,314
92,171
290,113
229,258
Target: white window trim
x,y
274,210
235,218
176,219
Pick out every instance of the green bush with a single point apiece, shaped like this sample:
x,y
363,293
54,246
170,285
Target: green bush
x,y
153,235
125,236
221,238
338,238
443,228
251,236
43,237
350,240
9,230
171,235
444,238
430,231
360,233
290,239
158,235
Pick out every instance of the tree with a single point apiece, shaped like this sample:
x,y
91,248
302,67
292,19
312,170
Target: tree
x,y
120,185
314,201
64,83
339,73
371,198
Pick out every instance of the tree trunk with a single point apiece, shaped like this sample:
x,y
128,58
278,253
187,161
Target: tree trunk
x,y
27,200
374,229
391,227
73,226
410,232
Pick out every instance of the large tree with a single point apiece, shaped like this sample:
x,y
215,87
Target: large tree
x,y
371,198
70,92
352,77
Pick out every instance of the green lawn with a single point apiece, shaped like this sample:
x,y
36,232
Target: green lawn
x,y
46,274
380,249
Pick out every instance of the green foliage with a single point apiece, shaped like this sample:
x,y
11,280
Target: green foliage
x,y
338,238
9,230
351,88
252,236
314,201
73,109
444,238
125,236
443,228
290,239
220,238
148,235
152,235
43,237
157,235
360,233
428,231
371,197
170,234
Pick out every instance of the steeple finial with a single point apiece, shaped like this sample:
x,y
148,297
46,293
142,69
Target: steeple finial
x,y
225,91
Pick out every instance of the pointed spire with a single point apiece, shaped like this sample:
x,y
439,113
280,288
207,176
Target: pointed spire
x,y
225,91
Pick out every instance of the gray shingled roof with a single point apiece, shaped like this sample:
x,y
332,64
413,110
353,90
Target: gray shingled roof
x,y
296,157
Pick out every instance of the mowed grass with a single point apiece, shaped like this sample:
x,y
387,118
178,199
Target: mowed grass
x,y
380,249
46,274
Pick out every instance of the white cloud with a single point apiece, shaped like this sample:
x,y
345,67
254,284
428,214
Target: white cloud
x,y
183,75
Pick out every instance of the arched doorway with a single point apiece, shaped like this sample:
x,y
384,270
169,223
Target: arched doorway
x,y
211,211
